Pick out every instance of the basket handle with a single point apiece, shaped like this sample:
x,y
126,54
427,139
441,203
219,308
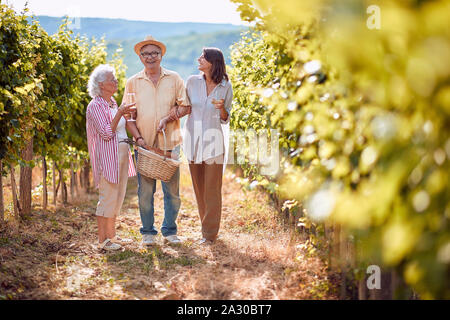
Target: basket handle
x,y
165,144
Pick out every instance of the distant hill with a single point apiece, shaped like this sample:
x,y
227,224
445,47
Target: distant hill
x,y
128,29
184,41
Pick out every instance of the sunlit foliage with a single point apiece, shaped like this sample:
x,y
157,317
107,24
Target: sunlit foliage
x,y
360,94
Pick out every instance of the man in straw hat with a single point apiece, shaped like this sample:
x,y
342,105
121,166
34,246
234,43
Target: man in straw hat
x,y
157,91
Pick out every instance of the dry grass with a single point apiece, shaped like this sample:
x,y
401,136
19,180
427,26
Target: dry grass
x,y
52,255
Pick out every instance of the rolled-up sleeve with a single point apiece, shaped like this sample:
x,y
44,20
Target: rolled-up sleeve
x,y
99,120
126,91
228,103
182,92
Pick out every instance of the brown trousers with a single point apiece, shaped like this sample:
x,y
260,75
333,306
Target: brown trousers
x,y
207,182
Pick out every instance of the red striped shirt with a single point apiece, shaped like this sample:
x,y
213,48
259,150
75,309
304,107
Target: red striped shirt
x,y
103,144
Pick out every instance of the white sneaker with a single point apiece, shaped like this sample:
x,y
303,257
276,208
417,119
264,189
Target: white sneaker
x,y
122,240
172,239
148,240
108,245
204,241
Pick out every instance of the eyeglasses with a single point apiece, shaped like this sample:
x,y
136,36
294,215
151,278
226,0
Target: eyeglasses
x,y
153,54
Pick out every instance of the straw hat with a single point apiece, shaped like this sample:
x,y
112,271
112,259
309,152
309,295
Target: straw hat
x,y
149,40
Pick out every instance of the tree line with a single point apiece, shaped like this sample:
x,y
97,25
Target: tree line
x,y
43,98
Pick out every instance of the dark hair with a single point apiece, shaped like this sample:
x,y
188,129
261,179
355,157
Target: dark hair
x,y
218,69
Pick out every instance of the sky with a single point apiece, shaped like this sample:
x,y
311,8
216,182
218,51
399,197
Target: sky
x,y
211,11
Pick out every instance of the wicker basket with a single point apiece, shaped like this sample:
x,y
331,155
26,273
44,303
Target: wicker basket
x,y
154,166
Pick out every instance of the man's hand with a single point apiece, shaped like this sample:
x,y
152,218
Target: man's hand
x,y
162,124
175,113
141,143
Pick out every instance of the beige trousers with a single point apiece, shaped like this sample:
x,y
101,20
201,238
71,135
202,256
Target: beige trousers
x,y
207,183
111,195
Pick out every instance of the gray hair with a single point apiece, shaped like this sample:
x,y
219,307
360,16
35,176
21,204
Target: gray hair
x,y
97,76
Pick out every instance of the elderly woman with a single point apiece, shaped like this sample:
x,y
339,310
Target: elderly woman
x,y
110,159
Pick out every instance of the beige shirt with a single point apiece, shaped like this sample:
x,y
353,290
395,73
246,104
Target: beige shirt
x,y
154,103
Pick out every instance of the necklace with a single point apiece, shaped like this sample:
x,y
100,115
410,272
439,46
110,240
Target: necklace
x,y
110,102
210,87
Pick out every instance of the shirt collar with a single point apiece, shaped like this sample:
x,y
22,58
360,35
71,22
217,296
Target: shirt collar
x,y
223,83
164,72
106,103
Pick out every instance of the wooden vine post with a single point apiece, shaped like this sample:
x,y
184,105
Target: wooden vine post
x,y
55,190
25,179
2,206
44,184
86,175
72,181
63,187
16,204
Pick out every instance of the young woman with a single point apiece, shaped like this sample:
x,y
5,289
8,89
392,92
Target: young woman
x,y
210,94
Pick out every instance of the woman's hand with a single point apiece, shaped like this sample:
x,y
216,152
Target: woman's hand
x,y
184,110
219,104
126,109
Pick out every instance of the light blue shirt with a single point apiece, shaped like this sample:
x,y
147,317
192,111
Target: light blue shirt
x,y
203,137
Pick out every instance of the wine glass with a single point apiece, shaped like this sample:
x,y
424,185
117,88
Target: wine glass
x,y
216,100
131,98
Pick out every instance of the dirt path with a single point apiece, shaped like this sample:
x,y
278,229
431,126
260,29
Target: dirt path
x,y
51,256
